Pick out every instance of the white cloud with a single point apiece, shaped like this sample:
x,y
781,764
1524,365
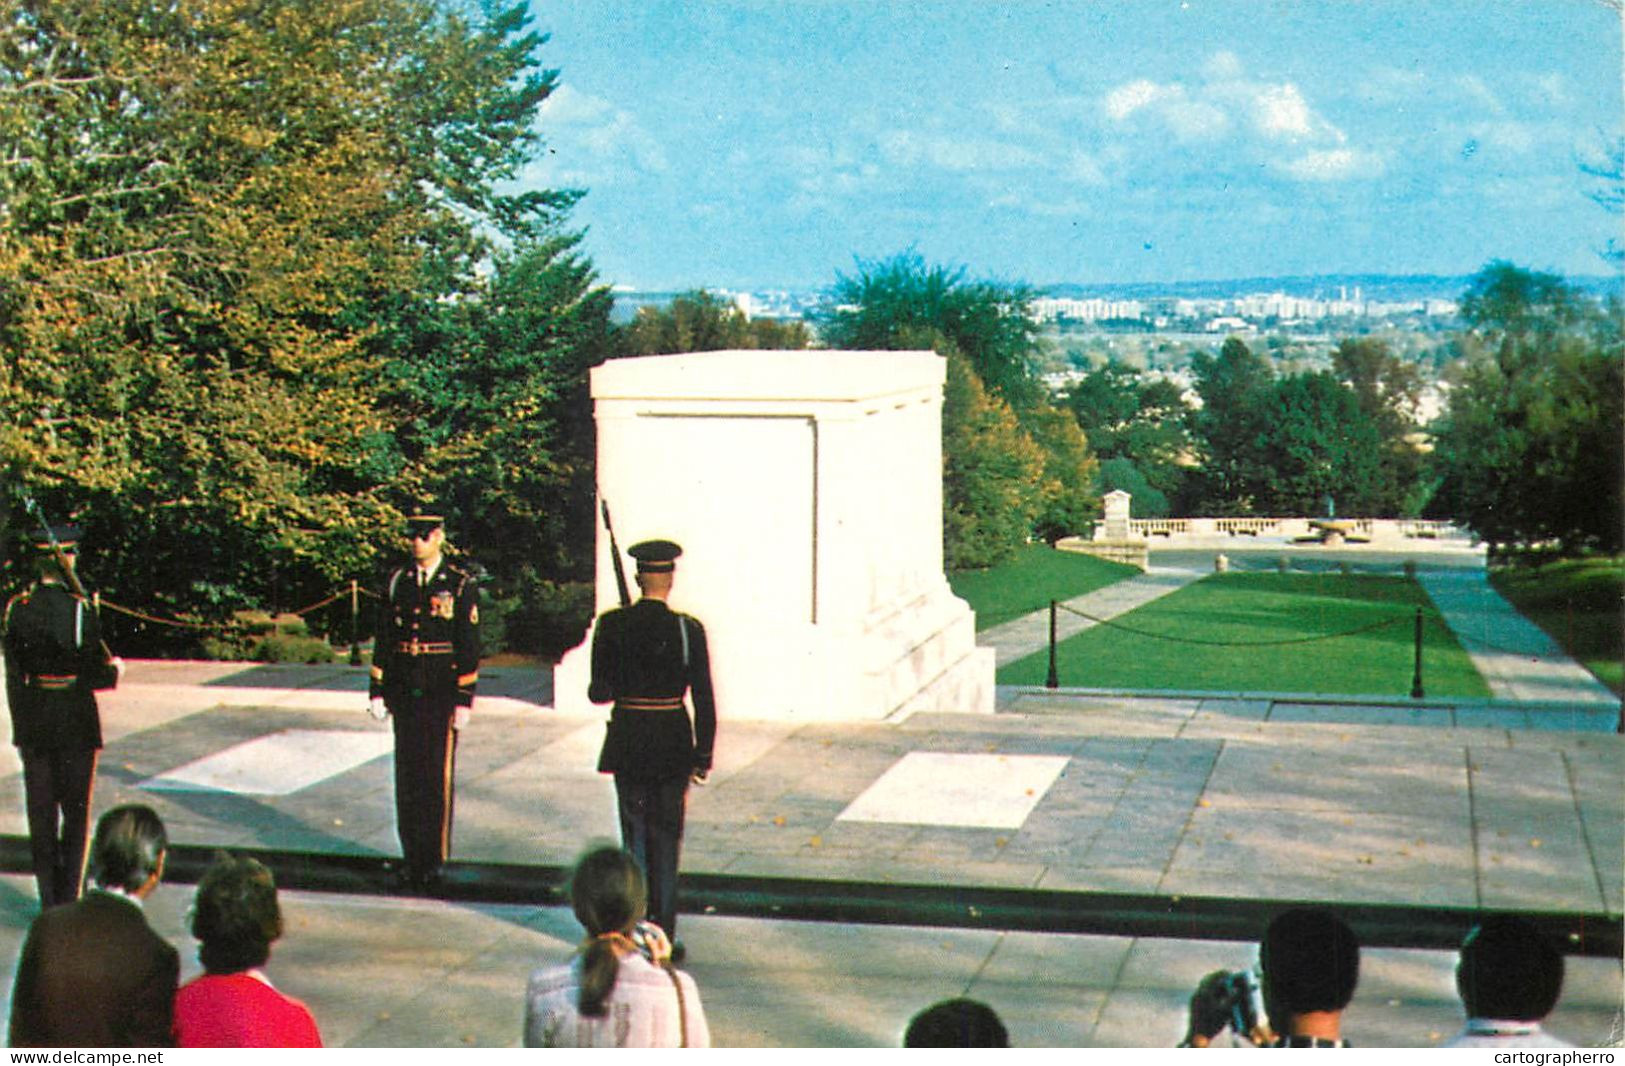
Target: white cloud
x,y
1085,169
1223,66
948,152
1280,111
1226,102
1124,100
1552,90
1474,88
593,139
1335,164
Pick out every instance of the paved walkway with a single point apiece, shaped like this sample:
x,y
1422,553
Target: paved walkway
x,y
1023,636
1515,657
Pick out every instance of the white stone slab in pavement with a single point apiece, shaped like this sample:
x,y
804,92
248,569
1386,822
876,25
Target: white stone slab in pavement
x,y
948,789
277,764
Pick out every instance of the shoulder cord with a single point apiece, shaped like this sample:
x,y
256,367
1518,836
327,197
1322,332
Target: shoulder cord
x,y
682,1008
624,942
682,628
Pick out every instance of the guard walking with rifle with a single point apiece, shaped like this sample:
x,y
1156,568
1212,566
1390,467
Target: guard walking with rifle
x,y
55,663
645,659
425,665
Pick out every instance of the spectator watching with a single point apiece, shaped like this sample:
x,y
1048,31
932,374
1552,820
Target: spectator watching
x,y
236,917
1509,977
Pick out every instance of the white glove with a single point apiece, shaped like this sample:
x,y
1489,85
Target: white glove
x,y
376,708
459,717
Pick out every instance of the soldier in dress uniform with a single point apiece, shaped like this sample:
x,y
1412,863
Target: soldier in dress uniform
x,y
425,664
55,663
645,658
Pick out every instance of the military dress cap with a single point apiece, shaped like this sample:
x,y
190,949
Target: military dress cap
x,y
64,536
655,556
420,522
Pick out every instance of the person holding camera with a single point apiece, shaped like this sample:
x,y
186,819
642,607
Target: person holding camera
x,y
1510,977
1309,964
621,989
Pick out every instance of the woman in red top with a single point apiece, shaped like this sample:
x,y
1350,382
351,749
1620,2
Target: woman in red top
x,y
235,917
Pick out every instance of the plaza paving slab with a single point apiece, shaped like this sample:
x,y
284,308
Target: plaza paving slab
x,y
1171,795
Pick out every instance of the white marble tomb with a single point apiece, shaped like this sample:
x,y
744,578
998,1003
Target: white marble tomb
x,y
806,490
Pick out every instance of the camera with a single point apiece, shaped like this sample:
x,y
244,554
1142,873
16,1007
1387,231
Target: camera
x,y
1229,999
643,940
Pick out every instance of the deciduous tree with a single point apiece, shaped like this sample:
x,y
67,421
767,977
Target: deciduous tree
x,y
1529,449
235,241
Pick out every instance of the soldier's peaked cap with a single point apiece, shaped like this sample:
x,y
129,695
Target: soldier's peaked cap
x,y
420,521
655,556
65,536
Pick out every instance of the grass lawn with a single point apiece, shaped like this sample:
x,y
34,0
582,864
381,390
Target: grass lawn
x,y
1239,609
1577,602
1029,581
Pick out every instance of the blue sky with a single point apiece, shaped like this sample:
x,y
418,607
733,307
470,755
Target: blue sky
x,y
760,144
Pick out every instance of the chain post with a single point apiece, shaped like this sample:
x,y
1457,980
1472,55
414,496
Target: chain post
x,y
1416,676
355,613
1053,680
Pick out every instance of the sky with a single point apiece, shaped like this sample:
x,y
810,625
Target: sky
x,y
775,143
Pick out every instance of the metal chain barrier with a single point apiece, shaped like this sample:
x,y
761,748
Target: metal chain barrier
x,y
1232,643
227,626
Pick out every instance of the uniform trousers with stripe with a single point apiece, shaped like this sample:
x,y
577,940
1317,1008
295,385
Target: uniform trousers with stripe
x,y
652,831
425,768
57,783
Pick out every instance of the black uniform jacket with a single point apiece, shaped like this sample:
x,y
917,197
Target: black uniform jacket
x,y
54,665
428,639
94,974
645,657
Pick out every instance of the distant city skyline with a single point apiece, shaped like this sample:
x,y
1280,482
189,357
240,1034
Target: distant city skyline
x,y
766,144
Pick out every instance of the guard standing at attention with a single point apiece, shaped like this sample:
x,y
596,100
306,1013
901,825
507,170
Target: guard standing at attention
x,y
425,664
645,658
55,662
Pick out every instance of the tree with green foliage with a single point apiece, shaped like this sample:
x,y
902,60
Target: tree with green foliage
x,y
1070,495
1320,447
992,472
1137,424
1529,450
993,502
240,245
700,322
1285,445
1229,428
1388,390
988,322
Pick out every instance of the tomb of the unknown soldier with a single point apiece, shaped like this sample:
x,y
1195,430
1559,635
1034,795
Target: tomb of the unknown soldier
x,y
805,488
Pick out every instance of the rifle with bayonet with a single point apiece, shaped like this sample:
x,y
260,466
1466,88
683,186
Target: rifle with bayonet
x,y
65,565
615,555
